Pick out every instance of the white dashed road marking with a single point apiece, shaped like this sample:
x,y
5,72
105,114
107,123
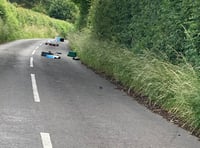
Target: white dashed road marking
x,y
35,90
33,52
31,62
46,140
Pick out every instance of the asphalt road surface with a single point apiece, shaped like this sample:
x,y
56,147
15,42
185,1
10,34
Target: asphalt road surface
x,y
59,103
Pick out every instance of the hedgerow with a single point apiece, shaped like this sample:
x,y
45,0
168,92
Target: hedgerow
x,y
174,88
159,25
17,22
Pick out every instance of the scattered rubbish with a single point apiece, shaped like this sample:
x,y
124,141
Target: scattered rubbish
x,y
57,57
62,39
50,55
59,39
72,54
53,56
44,53
58,52
52,42
76,58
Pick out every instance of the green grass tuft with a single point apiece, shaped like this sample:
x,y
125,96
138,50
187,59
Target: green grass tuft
x,y
174,88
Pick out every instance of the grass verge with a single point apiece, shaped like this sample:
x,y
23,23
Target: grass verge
x,y
17,23
171,87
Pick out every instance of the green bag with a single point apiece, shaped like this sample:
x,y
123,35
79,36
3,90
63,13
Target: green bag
x,y
72,54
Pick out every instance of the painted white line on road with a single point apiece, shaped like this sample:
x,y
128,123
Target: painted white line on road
x,y
46,140
35,90
31,62
33,52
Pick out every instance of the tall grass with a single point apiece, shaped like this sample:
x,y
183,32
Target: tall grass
x,y
17,22
174,88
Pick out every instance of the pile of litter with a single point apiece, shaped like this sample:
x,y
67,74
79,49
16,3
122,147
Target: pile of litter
x,y
73,55
54,42
50,55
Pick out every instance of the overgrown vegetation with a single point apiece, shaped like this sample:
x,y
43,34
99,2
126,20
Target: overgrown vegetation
x,y
171,27
65,10
151,47
17,22
84,6
75,11
174,88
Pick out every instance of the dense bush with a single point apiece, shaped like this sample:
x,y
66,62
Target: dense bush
x,y
26,3
17,22
160,25
50,26
9,24
84,6
63,10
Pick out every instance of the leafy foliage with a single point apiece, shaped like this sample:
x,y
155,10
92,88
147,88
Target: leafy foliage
x,y
64,10
25,3
61,9
152,47
160,25
84,6
175,88
17,22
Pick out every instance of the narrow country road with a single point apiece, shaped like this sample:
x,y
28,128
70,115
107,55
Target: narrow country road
x,y
59,103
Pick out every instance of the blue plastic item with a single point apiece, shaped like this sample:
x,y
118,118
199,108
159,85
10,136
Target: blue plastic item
x,y
58,39
50,56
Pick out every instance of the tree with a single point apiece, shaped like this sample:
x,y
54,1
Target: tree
x,y
26,3
64,10
84,6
